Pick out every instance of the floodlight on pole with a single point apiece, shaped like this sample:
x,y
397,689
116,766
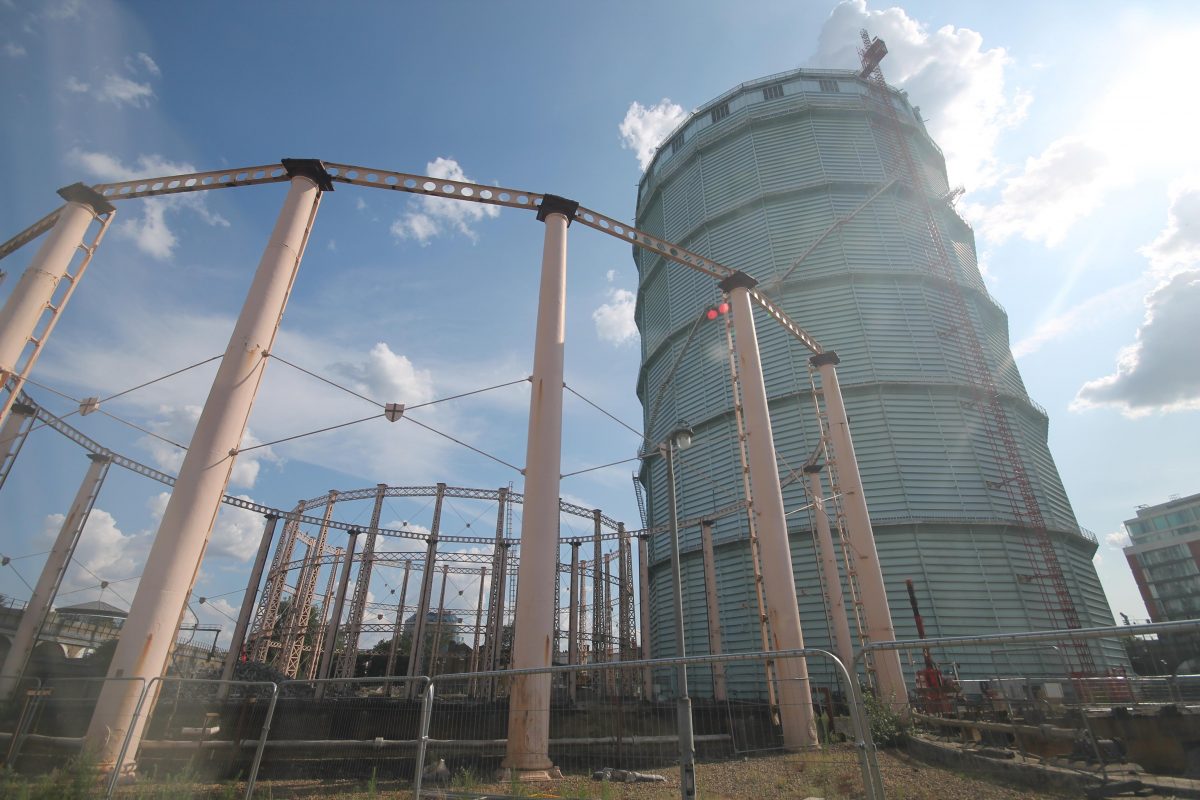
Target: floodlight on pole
x,y
680,439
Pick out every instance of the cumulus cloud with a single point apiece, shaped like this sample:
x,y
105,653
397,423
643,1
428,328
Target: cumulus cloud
x,y
1178,245
1160,371
1117,539
104,552
236,534
387,377
429,217
959,84
151,231
645,127
1058,188
614,319
1109,148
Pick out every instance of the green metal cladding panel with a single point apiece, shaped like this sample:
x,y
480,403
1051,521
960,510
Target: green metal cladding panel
x,y
755,191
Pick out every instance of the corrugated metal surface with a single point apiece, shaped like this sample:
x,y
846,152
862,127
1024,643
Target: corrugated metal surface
x,y
754,191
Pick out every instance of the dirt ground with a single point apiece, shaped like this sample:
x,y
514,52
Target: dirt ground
x,y
834,775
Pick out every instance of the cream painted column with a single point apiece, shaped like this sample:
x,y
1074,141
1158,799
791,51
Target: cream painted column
x,y
644,612
529,699
888,675
175,556
779,583
839,623
22,312
36,611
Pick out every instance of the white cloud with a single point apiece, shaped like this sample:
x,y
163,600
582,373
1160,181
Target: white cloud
x,y
429,217
1160,371
644,127
236,534
150,232
360,204
1110,147
386,377
75,85
13,50
63,10
104,552
959,85
615,320
121,91
147,63
1058,188
1117,539
1178,245
610,276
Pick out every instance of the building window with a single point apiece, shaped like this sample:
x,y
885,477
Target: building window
x,y
828,85
773,92
677,143
720,112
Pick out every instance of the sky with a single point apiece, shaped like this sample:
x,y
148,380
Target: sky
x,y
1071,134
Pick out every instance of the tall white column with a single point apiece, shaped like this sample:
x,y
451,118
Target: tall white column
x,y
529,701
839,623
179,545
35,290
34,616
888,675
779,584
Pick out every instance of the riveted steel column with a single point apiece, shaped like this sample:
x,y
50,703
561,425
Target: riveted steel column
x,y
238,641
439,624
398,628
34,292
416,654
174,559
779,584
529,703
38,608
13,433
644,612
335,619
472,685
839,623
714,613
573,623
860,534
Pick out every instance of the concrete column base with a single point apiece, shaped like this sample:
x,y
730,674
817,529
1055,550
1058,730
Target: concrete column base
x,y
515,775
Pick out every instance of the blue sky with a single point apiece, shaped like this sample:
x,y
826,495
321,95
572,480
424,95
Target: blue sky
x,y
1072,135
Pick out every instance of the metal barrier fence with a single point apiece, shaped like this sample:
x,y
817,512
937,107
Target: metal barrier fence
x,y
349,730
602,728
1049,725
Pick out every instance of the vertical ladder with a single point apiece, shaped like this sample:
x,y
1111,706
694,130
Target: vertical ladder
x,y
840,525
755,560
62,295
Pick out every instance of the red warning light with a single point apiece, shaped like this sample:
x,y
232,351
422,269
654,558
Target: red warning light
x,y
711,313
723,308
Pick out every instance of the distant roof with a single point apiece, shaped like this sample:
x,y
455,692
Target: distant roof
x,y
96,608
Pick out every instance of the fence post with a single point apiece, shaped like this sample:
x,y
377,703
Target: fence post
x,y
422,737
262,743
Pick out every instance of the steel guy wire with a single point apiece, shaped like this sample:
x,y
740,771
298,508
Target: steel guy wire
x,y
310,433
602,466
163,378
464,444
630,428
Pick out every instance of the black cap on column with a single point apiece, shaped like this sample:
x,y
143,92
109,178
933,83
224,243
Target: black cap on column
x,y
311,168
86,195
553,204
828,357
809,469
738,280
